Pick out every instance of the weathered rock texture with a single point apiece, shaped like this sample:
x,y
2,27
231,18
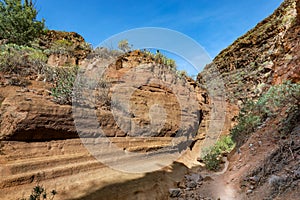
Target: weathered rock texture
x,y
266,166
39,141
76,47
265,55
29,116
138,97
287,65
67,167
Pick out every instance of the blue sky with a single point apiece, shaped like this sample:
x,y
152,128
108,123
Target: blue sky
x,y
214,24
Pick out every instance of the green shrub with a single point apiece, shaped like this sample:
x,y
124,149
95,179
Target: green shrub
x,y
64,82
37,59
61,47
160,58
85,46
253,114
40,193
268,105
64,43
225,144
246,125
21,60
67,47
278,95
124,46
18,23
212,158
102,52
11,58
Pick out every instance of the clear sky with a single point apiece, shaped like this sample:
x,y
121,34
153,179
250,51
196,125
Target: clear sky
x,y
214,24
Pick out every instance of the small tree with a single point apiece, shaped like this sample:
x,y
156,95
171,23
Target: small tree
x,y
18,23
124,46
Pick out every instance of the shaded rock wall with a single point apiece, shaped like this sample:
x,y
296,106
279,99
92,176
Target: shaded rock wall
x,y
26,116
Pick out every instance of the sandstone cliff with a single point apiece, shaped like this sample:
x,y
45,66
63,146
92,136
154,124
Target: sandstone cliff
x,y
39,140
40,144
29,114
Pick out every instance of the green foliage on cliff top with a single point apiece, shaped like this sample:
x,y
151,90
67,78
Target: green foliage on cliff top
x,y
21,60
64,82
18,23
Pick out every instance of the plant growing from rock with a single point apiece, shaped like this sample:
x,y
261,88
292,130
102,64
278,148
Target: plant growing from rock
x,y
160,58
212,158
268,105
104,53
40,193
124,46
64,82
21,60
103,89
63,46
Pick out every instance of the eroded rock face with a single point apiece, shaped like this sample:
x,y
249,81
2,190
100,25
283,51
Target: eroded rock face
x,y
247,67
287,65
174,106
31,117
78,49
147,99
61,60
39,142
267,54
